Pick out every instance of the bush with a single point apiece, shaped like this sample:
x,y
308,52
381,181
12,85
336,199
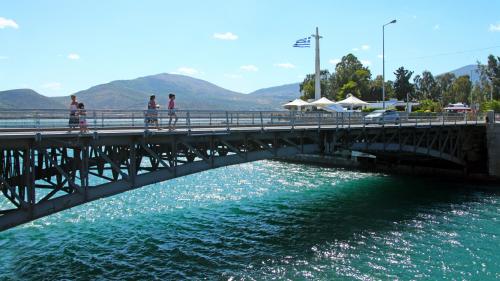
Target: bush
x,y
491,105
370,109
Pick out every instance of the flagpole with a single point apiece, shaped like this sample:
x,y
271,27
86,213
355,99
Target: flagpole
x,y
317,84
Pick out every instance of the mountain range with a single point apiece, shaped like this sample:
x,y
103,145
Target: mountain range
x,y
191,93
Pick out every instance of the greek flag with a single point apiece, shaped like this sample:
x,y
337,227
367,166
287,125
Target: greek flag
x,y
303,43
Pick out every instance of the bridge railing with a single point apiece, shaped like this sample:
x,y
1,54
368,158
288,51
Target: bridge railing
x,y
193,119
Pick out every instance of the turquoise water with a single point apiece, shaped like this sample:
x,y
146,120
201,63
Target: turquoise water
x,y
267,220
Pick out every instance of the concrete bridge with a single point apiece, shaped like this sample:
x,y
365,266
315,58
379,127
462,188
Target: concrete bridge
x,y
44,169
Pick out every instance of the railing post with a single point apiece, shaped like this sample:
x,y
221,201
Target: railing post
x,y
261,121
465,116
416,119
443,116
188,121
272,119
94,116
37,121
292,121
319,120
430,120
210,119
253,119
146,121
337,119
349,121
227,121
237,119
102,119
133,120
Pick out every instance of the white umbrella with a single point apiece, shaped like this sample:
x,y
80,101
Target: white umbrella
x,y
352,101
297,102
322,102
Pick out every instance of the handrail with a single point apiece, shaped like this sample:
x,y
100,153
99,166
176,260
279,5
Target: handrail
x,y
13,119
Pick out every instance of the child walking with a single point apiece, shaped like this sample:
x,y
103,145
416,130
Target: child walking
x,y
171,112
82,116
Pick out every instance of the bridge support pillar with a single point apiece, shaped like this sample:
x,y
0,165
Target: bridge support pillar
x,y
493,142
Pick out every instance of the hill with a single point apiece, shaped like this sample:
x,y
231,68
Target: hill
x,y
278,95
27,98
191,93
471,70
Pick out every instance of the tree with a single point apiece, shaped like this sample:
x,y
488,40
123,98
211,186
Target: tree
x,y
375,93
444,83
429,87
307,87
350,77
461,89
490,75
402,85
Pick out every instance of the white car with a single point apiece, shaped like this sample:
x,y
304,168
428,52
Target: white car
x,y
382,116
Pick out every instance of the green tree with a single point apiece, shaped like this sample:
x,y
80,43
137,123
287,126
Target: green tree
x,y
307,87
375,93
350,77
490,75
402,85
461,89
444,83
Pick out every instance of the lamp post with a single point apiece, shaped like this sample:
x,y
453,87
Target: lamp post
x,y
383,61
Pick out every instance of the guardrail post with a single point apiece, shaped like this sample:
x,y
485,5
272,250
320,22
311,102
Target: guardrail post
x,y
237,119
37,121
319,120
292,121
146,121
337,119
349,121
210,119
102,119
227,121
465,117
133,120
272,119
253,119
188,121
94,116
261,121
416,119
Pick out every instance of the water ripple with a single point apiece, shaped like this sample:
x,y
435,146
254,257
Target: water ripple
x,y
266,220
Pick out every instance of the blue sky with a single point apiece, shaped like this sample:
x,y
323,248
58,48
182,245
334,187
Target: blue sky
x,y
59,47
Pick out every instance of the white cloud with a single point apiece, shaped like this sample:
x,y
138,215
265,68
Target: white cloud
x,y
355,49
495,27
74,56
366,62
380,56
225,36
286,65
249,67
52,86
187,70
233,76
365,47
8,23
414,17
436,27
334,61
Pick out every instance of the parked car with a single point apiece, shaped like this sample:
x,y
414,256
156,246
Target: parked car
x,y
382,116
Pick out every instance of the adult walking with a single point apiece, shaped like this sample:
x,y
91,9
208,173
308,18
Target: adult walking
x,y
152,115
73,117
171,112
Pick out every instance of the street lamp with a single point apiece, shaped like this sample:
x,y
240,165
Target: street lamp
x,y
383,62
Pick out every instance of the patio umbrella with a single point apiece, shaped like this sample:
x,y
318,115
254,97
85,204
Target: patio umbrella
x,y
322,102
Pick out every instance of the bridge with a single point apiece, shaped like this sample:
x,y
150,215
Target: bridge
x,y
45,169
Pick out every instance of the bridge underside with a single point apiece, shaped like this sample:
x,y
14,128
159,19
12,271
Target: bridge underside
x,y
43,177
438,146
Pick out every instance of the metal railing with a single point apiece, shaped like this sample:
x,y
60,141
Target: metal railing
x,y
22,120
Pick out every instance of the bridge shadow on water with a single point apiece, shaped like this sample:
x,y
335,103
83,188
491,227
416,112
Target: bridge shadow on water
x,y
239,238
